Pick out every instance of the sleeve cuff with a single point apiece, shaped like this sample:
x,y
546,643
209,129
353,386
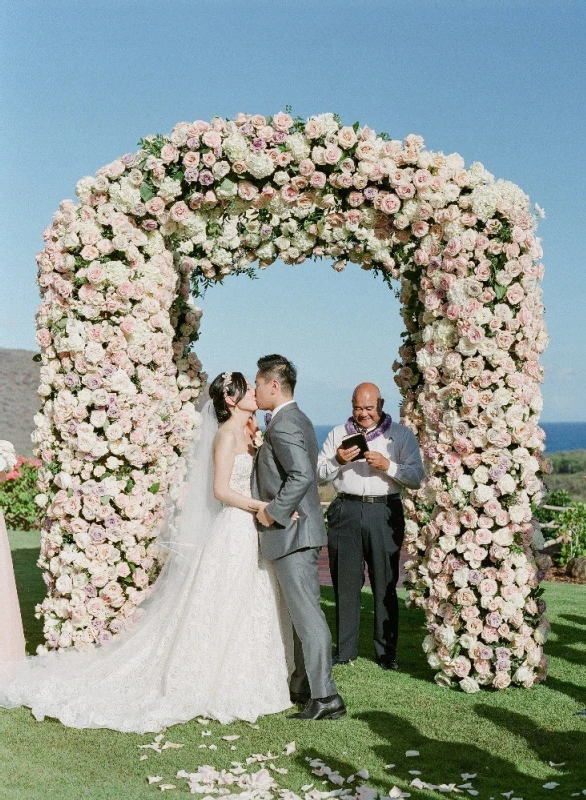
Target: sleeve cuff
x,y
393,469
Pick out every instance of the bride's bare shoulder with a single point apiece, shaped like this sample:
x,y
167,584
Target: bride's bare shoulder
x,y
225,439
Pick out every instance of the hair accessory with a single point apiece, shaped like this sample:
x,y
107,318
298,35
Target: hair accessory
x,y
226,381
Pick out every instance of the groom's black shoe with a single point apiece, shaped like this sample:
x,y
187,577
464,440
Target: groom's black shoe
x,y
337,661
299,698
322,708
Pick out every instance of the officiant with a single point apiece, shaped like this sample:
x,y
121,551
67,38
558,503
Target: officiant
x,y
365,520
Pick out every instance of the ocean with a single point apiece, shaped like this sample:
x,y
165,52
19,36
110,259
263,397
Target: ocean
x,y
559,435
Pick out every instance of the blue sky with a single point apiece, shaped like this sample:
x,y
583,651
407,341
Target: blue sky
x,y
499,82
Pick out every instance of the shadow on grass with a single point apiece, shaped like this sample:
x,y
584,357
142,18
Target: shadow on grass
x,y
31,590
567,747
563,646
574,691
575,618
444,761
411,633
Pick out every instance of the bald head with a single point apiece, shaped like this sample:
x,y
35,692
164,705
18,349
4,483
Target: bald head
x,y
367,405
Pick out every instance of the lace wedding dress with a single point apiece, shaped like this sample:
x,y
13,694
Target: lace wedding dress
x,y
214,642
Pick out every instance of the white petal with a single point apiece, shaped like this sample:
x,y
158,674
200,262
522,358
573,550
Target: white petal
x,y
290,748
412,753
390,766
154,778
414,772
550,785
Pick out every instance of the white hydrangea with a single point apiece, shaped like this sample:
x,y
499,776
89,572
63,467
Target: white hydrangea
x,y
155,244
236,147
124,195
299,146
7,456
260,165
478,174
169,189
84,188
116,272
327,120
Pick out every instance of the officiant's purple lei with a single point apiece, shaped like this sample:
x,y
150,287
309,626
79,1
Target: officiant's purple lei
x,y
382,427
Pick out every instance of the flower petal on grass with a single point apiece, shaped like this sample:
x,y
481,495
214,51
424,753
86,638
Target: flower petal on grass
x,y
396,792
561,764
390,766
164,787
550,785
154,778
290,748
468,776
411,753
414,772
231,738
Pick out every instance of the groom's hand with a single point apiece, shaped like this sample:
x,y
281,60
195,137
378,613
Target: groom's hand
x,y
265,519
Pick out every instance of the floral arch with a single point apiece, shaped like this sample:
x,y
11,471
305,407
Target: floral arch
x,y
119,378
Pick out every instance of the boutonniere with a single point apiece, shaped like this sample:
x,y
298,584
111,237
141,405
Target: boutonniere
x,y
258,439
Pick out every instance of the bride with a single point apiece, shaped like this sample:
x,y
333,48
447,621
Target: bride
x,y
213,639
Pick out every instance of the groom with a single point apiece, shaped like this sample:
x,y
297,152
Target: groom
x,y
285,476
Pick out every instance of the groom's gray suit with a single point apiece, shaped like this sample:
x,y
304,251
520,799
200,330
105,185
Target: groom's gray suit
x,y
284,475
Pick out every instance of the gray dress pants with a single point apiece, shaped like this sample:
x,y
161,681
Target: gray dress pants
x,y
372,533
298,579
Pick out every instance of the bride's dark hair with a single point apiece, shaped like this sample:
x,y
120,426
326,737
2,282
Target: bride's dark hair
x,y
227,384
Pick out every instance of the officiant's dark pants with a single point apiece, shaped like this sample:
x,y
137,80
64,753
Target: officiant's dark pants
x,y
373,533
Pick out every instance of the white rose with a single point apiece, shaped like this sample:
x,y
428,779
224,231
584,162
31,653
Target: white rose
x,y
469,685
466,483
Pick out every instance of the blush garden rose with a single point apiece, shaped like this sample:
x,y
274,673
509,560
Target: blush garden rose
x,y
119,378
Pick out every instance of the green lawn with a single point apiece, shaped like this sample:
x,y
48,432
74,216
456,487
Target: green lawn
x,y
507,738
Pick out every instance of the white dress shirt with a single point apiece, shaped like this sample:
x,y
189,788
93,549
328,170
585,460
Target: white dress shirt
x,y
278,408
398,444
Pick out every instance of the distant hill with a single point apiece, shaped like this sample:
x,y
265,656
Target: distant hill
x,y
19,402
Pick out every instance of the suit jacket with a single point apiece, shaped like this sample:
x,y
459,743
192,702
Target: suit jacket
x,y
285,476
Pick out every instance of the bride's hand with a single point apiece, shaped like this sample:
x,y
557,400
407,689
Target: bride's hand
x,y
295,516
257,505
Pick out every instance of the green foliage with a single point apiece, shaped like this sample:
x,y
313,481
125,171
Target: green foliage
x,y
17,495
560,498
572,524
569,462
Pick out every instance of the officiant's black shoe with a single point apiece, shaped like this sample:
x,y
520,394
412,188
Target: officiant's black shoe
x,y
388,663
322,708
299,698
337,661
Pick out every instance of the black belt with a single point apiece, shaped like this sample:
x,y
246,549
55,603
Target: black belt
x,y
369,498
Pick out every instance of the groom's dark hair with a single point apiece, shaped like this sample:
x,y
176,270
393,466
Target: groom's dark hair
x,y
278,368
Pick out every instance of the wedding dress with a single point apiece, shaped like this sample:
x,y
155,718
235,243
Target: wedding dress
x,y
11,634
214,639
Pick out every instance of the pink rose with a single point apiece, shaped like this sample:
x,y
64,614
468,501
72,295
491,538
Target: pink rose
x,y
212,139
515,293
389,203
155,206
318,180
179,211
332,154
488,587
282,121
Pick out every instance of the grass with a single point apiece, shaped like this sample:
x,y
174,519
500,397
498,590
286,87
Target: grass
x,y
507,738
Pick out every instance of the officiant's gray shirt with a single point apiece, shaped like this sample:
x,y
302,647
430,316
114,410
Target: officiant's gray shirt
x,y
398,444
